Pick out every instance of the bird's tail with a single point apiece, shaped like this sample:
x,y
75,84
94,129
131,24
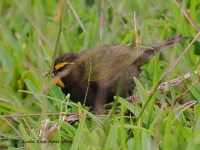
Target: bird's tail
x,y
149,52
168,43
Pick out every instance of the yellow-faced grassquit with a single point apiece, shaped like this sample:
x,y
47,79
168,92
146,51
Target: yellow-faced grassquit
x,y
96,75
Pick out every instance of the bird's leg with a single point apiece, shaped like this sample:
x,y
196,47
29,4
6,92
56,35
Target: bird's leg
x,y
101,96
132,93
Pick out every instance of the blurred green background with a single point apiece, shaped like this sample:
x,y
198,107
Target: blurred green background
x,y
28,32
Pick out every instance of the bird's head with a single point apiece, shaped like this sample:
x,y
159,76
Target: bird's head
x,y
62,67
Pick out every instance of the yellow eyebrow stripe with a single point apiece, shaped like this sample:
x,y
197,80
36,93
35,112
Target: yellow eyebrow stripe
x,y
61,64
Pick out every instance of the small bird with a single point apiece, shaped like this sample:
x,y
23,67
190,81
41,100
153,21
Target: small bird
x,y
96,75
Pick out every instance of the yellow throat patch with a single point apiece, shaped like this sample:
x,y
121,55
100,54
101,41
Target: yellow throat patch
x,y
58,81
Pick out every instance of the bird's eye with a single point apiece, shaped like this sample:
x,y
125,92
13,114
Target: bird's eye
x,y
60,65
54,73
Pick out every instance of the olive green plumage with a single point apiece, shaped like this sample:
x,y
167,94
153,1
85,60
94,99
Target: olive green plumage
x,y
94,74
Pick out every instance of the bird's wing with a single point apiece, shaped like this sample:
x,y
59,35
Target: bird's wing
x,y
103,62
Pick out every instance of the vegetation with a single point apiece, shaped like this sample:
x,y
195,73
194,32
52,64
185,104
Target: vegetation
x,y
32,108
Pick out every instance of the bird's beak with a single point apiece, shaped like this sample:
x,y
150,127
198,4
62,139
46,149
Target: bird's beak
x,y
56,79
47,73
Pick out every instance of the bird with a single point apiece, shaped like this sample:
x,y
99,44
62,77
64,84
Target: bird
x,y
97,74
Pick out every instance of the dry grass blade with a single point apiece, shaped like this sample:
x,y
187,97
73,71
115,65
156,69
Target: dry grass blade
x,y
19,134
137,37
189,18
76,15
164,86
102,20
58,15
185,107
36,115
178,99
33,24
121,17
185,51
47,132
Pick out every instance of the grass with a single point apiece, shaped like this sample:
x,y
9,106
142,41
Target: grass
x,y
29,30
